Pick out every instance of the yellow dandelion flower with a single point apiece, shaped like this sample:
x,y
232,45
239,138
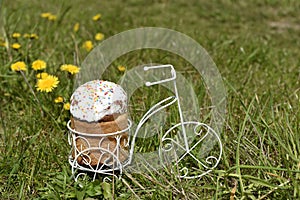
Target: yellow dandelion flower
x,y
3,44
97,17
46,15
99,36
88,45
16,35
58,99
52,17
18,66
47,84
38,64
64,67
76,27
121,68
70,68
42,75
49,16
16,46
67,106
33,36
26,35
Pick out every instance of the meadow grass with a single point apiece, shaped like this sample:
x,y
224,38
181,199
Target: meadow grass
x,y
255,45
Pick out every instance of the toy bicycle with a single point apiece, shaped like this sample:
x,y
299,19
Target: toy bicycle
x,y
179,144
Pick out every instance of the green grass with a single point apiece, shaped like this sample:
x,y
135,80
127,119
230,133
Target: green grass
x,y
255,45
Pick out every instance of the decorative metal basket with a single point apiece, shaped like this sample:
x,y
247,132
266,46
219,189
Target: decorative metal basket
x,y
98,153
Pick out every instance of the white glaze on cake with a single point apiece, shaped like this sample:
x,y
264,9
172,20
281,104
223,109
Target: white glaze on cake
x,y
93,100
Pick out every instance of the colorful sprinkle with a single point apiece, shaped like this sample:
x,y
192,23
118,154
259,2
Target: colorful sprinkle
x,y
95,99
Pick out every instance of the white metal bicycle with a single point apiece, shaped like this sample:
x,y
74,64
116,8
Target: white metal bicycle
x,y
179,144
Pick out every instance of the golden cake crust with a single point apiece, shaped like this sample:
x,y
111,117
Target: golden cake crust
x,y
109,143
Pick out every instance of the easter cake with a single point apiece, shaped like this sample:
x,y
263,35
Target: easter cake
x,y
99,107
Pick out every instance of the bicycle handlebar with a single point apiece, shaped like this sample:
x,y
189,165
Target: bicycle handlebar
x,y
173,73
